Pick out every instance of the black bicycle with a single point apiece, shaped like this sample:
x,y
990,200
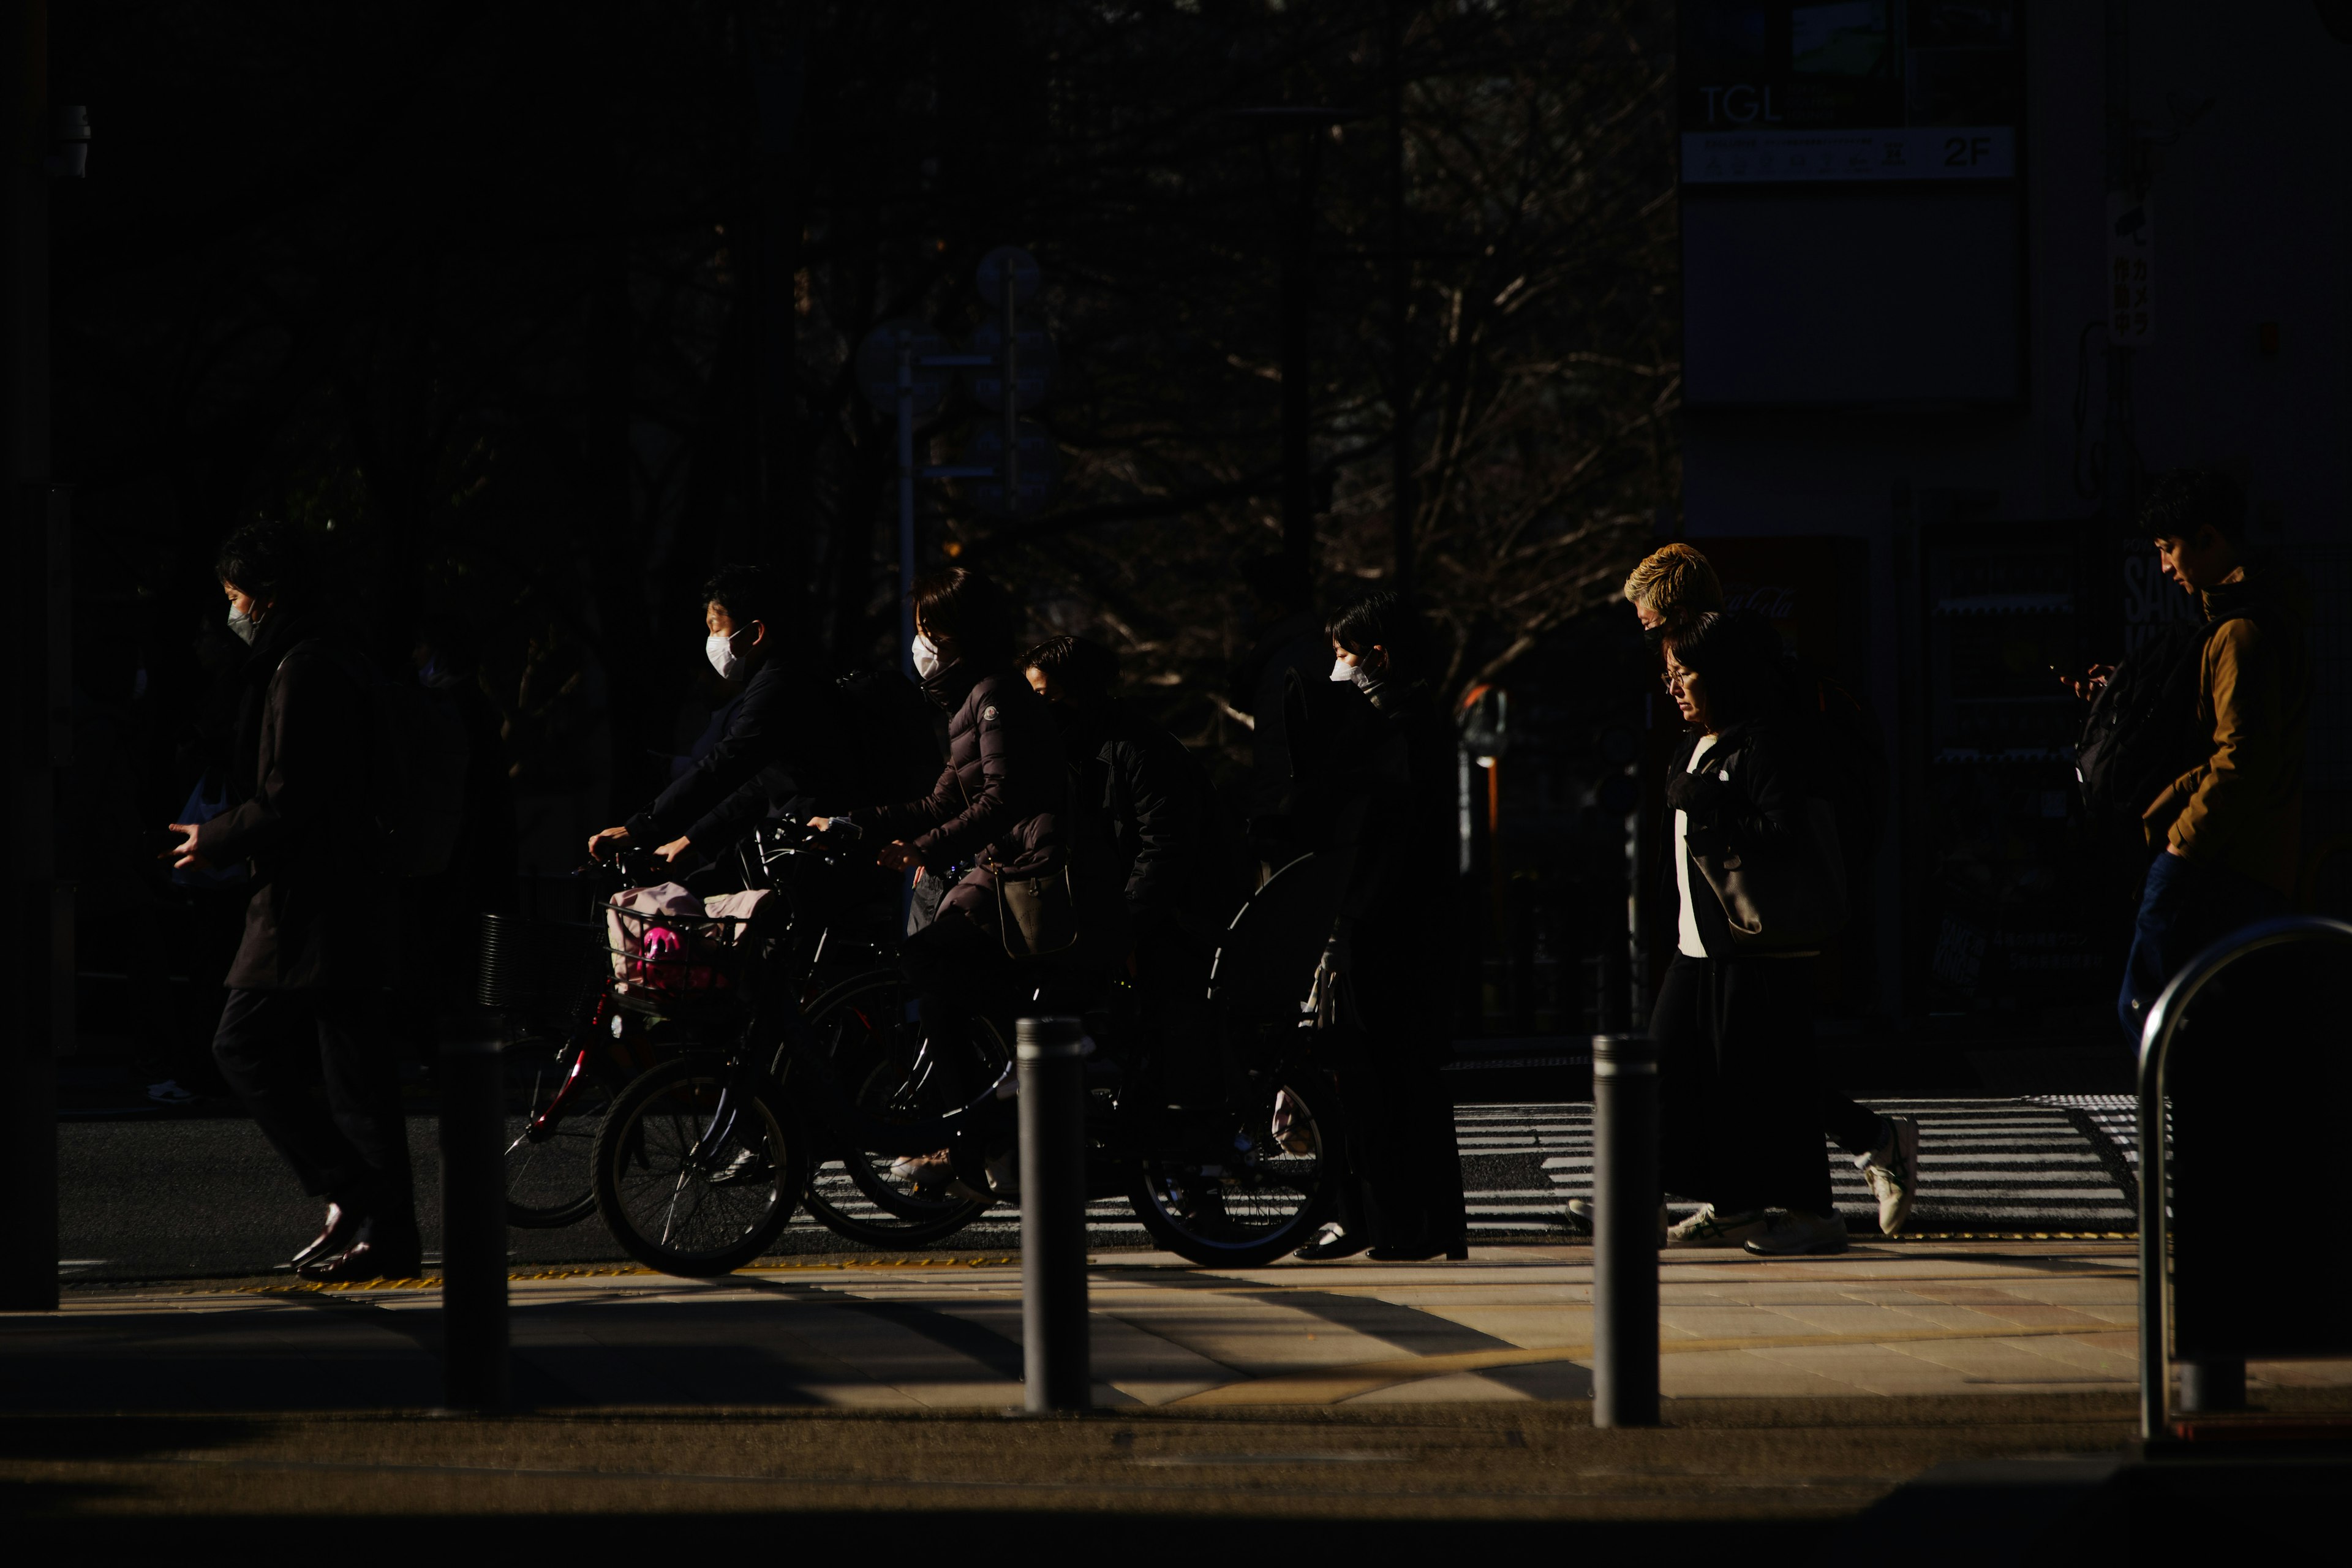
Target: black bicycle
x,y
702,1159
573,1050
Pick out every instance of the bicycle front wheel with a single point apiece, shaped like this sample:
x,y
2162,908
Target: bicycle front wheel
x,y
698,1168
1258,1182
893,1071
551,1144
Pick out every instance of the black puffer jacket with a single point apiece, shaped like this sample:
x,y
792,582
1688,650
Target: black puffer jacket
x,y
1752,791
998,802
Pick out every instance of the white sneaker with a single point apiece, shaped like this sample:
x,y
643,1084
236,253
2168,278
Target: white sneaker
x,y
928,1174
1793,1233
1893,1172
170,1092
1581,1220
1708,1228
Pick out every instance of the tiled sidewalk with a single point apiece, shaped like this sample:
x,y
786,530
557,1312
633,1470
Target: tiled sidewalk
x,y
1512,1323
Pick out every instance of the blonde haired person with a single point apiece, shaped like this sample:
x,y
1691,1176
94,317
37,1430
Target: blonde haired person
x,y
1670,590
1673,581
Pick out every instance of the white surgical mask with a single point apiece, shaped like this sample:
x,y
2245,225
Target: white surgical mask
x,y
927,657
720,651
242,625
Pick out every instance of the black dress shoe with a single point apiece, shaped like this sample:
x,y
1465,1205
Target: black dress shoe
x,y
365,1260
342,1230
1333,1243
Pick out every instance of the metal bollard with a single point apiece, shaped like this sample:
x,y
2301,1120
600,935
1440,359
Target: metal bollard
x,y
1625,1231
2212,1384
474,1368
1054,1330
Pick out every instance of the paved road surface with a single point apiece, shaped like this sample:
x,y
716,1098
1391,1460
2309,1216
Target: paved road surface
x,y
144,1199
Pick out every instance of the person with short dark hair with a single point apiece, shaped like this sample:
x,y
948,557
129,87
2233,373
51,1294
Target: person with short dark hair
x,y
1379,770
1738,1073
781,750
304,998
1139,786
2224,834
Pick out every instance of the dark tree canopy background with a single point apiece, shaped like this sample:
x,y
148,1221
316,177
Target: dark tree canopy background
x,y
538,311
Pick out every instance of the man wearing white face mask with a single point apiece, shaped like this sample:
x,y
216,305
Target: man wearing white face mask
x,y
782,750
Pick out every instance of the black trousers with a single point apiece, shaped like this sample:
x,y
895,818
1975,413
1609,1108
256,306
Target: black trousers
x,y
1403,1185
1740,1103
1855,1128
959,968
274,1048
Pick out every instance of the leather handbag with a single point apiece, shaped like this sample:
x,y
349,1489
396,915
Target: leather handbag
x,y
1037,916
1784,898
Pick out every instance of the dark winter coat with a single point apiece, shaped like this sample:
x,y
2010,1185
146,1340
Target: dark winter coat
x,y
1296,643
316,918
1374,779
999,802
1752,791
783,749
1375,774
1150,796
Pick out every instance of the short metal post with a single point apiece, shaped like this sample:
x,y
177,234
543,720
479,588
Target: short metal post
x,y
1056,1362
1625,1231
474,1367
2216,1382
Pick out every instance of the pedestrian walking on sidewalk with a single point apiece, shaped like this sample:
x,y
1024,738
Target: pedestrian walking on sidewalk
x,y
304,990
2224,834
1377,775
1739,1081
1672,586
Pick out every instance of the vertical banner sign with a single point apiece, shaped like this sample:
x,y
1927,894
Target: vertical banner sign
x,y
2131,271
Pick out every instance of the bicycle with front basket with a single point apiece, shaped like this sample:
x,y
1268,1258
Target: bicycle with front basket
x,y
700,1161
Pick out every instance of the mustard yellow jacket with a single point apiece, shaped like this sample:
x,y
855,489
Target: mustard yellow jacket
x,y
2242,808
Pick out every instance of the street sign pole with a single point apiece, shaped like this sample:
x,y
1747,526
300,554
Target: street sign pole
x,y
907,510
1012,397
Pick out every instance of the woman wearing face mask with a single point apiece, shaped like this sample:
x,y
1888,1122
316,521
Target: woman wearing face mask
x,y
997,805
1381,772
782,750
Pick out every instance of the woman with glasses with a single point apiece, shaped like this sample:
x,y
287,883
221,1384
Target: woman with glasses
x,y
1738,1074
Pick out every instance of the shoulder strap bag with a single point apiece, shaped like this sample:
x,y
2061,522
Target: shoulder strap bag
x,y
1036,915
1783,898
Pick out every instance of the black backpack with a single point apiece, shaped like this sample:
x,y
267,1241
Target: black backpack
x,y
2143,732
893,735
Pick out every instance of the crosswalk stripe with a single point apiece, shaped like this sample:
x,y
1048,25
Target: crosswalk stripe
x,y
2044,1164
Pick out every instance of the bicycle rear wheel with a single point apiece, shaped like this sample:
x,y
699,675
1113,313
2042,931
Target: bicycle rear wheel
x,y
892,1071
1253,1185
698,1168
551,1146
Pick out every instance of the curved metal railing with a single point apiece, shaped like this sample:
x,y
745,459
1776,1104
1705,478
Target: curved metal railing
x,y
2155,1209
